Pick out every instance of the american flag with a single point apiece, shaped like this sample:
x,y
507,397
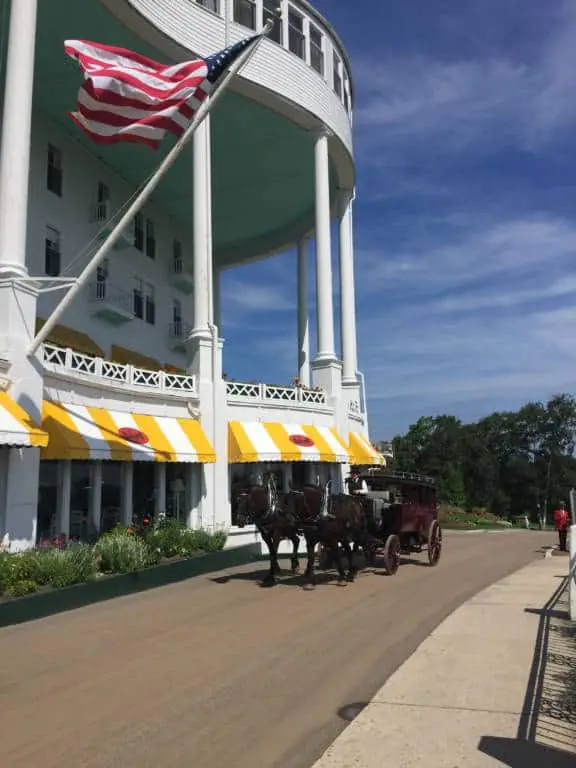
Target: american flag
x,y
129,97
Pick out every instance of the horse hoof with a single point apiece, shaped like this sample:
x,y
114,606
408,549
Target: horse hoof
x,y
342,583
350,578
309,587
296,570
268,582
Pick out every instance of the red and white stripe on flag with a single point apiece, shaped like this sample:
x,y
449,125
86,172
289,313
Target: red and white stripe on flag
x,y
129,97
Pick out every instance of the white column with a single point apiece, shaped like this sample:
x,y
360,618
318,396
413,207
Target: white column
x,y
303,315
64,495
127,503
95,495
324,305
16,133
160,495
347,291
202,217
216,299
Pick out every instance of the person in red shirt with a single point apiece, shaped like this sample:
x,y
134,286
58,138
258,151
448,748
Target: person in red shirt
x,y
561,524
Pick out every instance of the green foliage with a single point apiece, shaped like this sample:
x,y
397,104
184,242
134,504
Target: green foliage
x,y
120,552
47,567
21,588
512,463
170,538
59,568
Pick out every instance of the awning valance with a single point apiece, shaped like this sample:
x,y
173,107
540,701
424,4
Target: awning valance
x,y
250,441
130,357
17,428
363,452
63,336
83,433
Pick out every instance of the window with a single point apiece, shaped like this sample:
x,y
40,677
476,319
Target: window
x,y
138,299
52,252
103,196
337,76
245,13
101,277
139,232
347,95
269,11
149,304
177,257
210,5
177,317
54,173
296,42
316,49
150,239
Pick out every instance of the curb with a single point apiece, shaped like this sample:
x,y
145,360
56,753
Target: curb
x,y
40,605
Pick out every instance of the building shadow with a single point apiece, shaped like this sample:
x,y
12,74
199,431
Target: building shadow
x,y
546,734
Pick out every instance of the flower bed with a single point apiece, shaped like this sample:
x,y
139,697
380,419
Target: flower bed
x,y
62,563
478,518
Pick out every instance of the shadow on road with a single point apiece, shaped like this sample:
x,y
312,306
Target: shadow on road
x,y
547,729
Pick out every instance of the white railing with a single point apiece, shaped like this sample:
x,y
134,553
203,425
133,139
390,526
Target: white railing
x,y
60,360
250,15
179,330
104,292
237,391
355,411
180,266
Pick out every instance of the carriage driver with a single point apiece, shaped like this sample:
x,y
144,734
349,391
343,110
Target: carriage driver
x,y
356,485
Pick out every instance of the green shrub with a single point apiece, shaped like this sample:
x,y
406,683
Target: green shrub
x,y
17,567
21,588
168,538
120,552
59,568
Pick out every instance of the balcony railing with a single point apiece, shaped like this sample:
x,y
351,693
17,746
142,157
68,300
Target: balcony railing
x,y
250,13
354,408
179,330
105,292
68,361
270,394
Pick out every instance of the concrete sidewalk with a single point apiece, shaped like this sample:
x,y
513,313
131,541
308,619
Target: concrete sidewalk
x,y
494,685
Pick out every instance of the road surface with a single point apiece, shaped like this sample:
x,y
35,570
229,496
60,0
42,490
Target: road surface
x,y
219,673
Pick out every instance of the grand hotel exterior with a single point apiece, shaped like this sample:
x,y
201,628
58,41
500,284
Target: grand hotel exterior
x,y
125,409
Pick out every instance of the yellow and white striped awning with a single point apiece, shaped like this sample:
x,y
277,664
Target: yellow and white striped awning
x,y
363,453
83,433
250,441
17,428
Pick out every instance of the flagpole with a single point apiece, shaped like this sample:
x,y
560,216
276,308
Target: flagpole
x,y
144,194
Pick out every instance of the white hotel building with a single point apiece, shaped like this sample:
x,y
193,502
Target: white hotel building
x,y
124,409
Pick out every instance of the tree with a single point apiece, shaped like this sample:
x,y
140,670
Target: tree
x,y
511,462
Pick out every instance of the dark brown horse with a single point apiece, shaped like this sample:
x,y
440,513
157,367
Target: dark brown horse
x,y
331,520
263,507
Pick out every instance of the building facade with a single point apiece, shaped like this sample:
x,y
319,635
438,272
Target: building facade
x,y
125,410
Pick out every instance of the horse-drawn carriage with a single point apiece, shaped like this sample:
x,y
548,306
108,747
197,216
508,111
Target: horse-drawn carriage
x,y
397,514
401,515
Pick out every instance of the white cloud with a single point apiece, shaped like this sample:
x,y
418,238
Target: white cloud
x,y
423,105
504,250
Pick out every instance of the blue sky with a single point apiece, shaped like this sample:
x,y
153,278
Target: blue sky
x,y
465,221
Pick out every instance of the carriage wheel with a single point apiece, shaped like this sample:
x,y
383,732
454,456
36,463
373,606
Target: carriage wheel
x,y
392,554
434,542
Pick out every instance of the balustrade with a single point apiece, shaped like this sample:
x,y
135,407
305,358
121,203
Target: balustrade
x,y
62,360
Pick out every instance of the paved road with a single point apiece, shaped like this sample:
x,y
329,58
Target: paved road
x,y
217,672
